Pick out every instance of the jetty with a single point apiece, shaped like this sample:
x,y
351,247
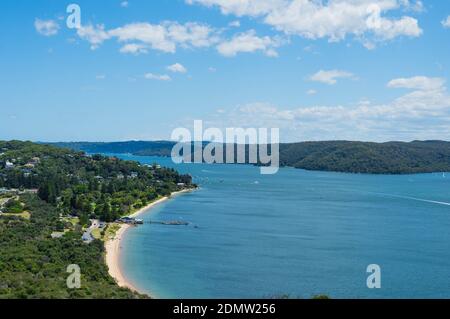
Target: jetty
x,y
130,221
170,223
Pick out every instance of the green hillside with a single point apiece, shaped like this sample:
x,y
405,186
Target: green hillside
x,y
47,197
339,156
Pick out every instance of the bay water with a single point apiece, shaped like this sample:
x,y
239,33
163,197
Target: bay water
x,y
296,233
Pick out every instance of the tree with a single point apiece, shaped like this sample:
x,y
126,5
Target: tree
x,y
47,192
13,207
84,219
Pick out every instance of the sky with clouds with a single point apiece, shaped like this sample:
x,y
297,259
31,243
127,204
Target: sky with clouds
x,y
371,70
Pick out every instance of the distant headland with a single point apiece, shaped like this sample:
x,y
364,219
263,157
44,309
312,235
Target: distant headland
x,y
338,156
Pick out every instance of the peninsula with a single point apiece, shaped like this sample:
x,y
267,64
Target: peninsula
x,y
52,199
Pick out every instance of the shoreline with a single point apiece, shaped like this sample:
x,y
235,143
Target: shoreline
x,y
113,246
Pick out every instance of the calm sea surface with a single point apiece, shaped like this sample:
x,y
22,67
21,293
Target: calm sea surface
x,y
295,233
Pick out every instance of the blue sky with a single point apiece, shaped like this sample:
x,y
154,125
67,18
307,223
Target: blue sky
x,y
137,69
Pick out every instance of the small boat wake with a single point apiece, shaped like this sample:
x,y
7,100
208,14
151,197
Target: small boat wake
x,y
415,198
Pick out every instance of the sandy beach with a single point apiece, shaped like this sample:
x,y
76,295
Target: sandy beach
x,y
113,246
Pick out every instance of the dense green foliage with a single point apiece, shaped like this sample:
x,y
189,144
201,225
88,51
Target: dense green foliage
x,y
374,158
86,186
340,156
13,206
47,184
34,265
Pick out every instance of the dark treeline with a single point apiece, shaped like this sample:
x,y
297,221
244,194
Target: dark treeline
x,y
373,158
339,156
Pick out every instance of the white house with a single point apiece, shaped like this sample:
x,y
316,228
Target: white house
x,y
134,175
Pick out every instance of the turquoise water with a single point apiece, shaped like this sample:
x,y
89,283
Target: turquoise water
x,y
298,233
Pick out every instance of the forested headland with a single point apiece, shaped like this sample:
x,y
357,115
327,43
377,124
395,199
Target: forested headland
x,y
339,156
48,196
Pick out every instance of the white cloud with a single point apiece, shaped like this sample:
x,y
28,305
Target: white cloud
x,y
134,48
366,20
168,36
100,77
241,8
249,42
212,69
330,77
311,92
158,77
235,24
423,113
95,35
165,37
155,36
124,4
416,6
177,68
421,83
334,20
192,34
446,22
46,27
389,29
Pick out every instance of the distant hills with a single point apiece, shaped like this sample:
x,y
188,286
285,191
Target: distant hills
x,y
374,158
160,148
338,156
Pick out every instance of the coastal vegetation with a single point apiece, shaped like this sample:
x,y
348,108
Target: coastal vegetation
x,y
372,158
13,206
48,196
89,187
338,156
34,265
